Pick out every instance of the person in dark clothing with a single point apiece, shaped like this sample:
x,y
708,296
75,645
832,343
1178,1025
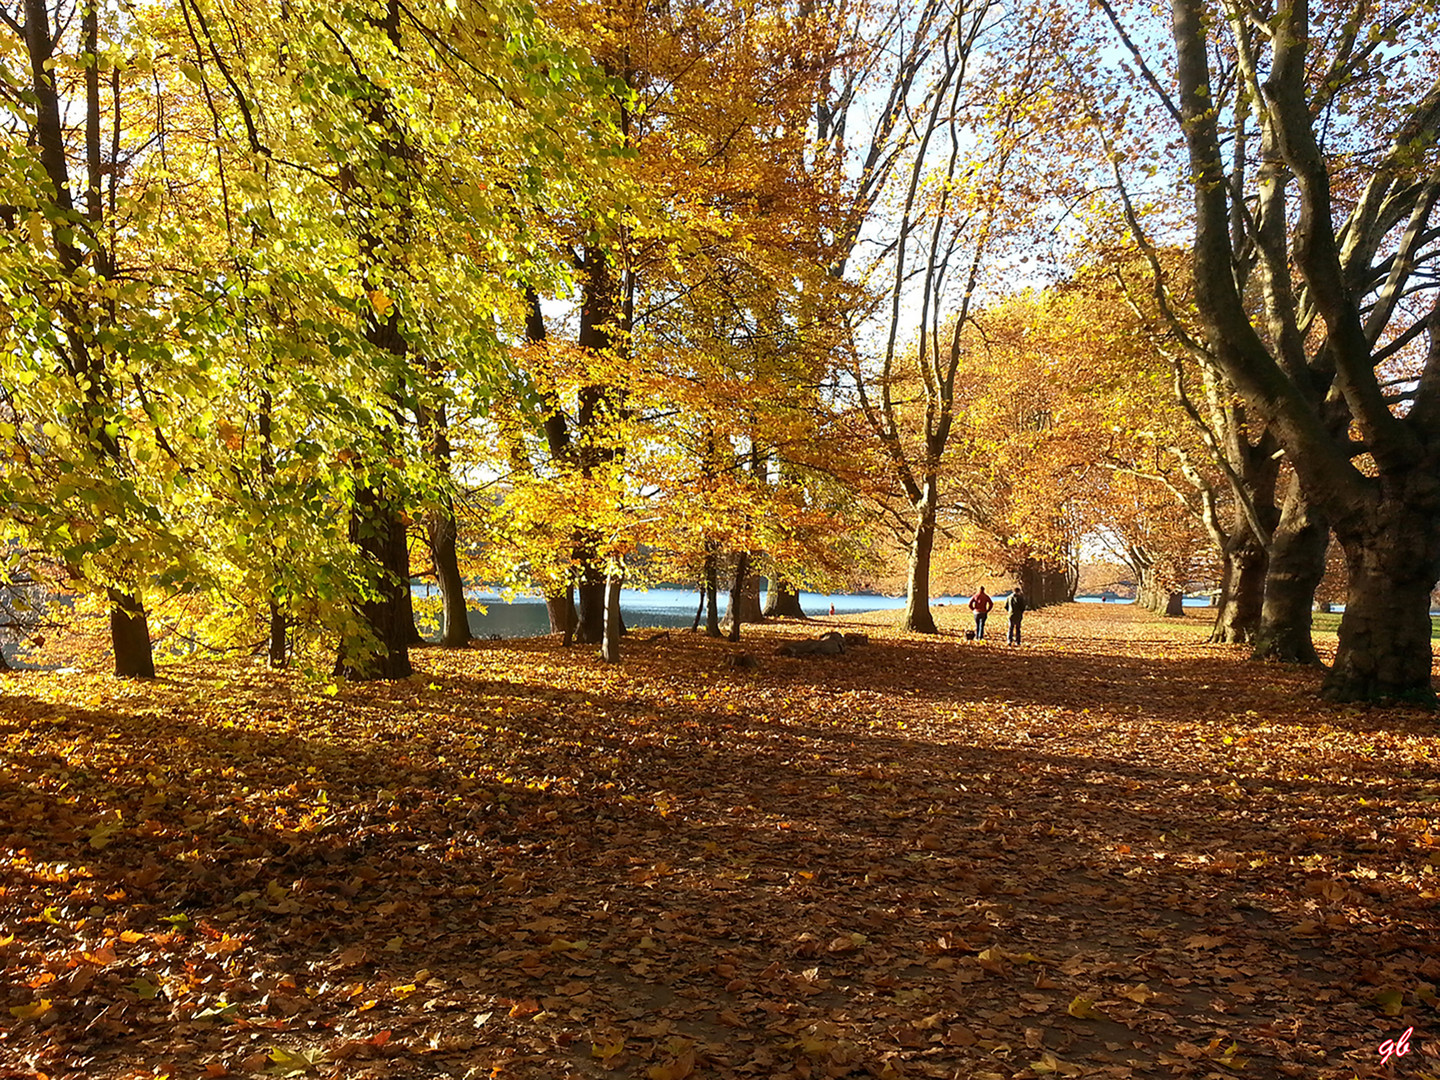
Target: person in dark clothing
x,y
981,604
1016,606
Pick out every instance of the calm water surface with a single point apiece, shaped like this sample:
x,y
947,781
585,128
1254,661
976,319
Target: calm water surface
x,y
524,616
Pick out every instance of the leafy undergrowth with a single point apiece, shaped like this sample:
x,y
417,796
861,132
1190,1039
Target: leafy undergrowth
x,y
1114,852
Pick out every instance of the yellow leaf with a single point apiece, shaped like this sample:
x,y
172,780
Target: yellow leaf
x,y
1049,1064
288,1064
607,1050
31,1011
1391,1000
1083,1008
992,960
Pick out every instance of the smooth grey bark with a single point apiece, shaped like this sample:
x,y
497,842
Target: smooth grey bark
x,y
917,615
1242,592
749,600
737,590
590,607
614,629
130,637
1297,565
384,651
1386,516
560,608
782,601
712,585
455,613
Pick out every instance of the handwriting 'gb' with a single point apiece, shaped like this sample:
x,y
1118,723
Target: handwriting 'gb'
x,y
1395,1047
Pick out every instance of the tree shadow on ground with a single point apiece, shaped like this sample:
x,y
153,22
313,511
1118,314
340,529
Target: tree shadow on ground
x,y
910,860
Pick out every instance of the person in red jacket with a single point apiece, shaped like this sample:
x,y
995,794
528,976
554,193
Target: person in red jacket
x,y
981,604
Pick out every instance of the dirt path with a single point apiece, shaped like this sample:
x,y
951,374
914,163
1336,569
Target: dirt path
x,y
1114,852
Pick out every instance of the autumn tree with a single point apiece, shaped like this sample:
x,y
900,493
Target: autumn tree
x,y
1310,134
416,139
958,211
85,331
696,320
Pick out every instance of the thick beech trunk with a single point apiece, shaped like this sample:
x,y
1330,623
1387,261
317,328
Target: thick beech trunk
x,y
1149,593
590,607
596,409
1385,652
1174,604
917,615
782,601
1297,565
560,607
377,530
1242,594
749,600
1387,516
737,595
614,629
130,637
455,615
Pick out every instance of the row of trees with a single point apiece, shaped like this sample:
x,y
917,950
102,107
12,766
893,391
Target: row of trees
x,y
287,288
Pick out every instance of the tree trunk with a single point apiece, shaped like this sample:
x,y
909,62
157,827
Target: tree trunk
x,y
1175,604
1045,584
917,616
455,622
1149,594
1297,565
749,600
384,653
699,612
279,635
1242,594
782,601
561,610
610,645
712,586
590,607
1385,652
737,590
130,636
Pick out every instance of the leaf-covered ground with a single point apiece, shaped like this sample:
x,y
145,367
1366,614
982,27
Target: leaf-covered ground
x,y
1114,852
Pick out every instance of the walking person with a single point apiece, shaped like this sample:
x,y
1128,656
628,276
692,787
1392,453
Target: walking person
x,y
1016,606
981,604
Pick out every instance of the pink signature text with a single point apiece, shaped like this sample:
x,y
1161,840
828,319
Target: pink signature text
x,y
1395,1047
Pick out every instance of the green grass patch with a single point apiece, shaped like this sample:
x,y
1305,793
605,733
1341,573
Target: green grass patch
x,y
1329,621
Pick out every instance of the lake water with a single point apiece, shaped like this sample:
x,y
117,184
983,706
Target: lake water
x,y
525,616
